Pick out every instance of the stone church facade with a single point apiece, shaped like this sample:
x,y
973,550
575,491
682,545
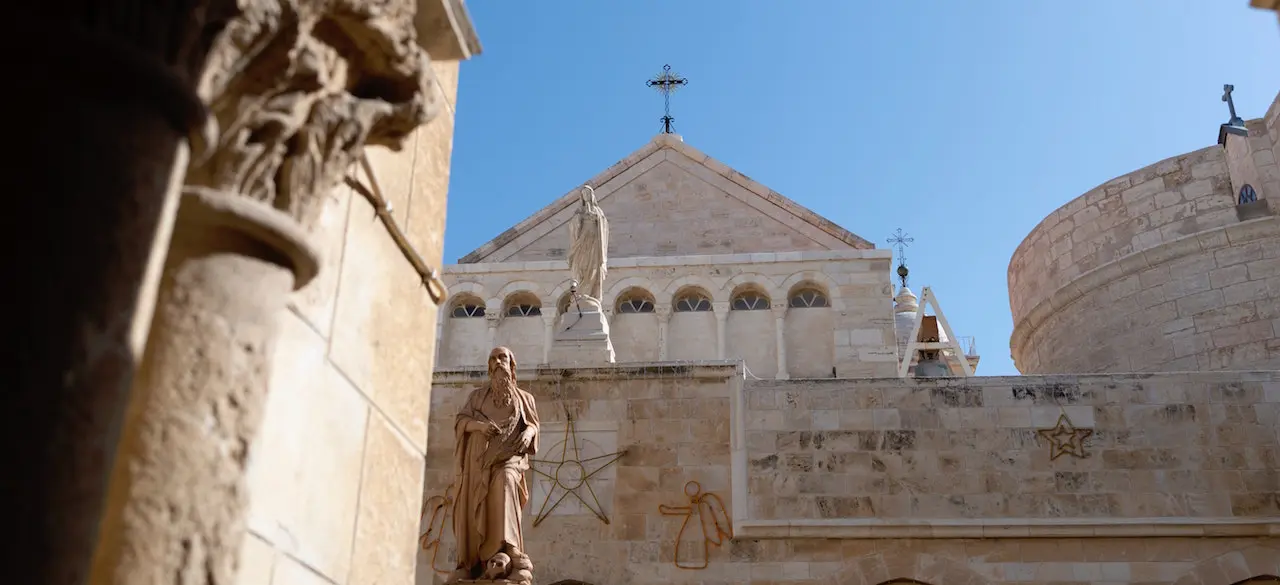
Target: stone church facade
x,y
705,264
751,433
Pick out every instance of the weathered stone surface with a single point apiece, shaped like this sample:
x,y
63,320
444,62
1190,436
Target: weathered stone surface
x,y
940,481
299,87
1104,283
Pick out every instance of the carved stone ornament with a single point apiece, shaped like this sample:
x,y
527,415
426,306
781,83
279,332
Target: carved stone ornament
x,y
297,88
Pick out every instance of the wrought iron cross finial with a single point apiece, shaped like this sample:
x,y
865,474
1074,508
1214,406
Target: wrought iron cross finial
x,y
666,83
901,240
1231,104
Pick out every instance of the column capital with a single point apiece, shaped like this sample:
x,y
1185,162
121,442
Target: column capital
x,y
779,309
549,318
293,109
662,311
721,309
491,319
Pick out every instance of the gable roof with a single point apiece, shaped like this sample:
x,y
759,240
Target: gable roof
x,y
776,205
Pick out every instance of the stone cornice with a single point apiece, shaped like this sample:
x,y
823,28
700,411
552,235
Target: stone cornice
x,y
699,369
850,528
659,261
1236,234
445,30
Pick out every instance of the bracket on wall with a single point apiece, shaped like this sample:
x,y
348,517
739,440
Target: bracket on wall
x,y
430,278
952,343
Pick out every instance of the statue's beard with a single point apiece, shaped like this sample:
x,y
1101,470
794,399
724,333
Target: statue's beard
x,y
503,384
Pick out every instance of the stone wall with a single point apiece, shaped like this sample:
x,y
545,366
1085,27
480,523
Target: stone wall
x,y
1156,270
335,475
867,481
854,335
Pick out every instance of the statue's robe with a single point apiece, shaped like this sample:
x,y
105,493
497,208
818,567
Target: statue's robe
x,y
589,250
491,491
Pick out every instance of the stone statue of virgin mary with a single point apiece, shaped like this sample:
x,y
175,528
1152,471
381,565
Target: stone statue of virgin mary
x,y
589,246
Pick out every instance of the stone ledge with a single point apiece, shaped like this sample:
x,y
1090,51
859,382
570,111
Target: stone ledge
x,y
701,369
1101,276
666,261
445,30
856,528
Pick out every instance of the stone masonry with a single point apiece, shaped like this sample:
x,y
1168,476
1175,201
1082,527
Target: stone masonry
x,y
868,481
1157,270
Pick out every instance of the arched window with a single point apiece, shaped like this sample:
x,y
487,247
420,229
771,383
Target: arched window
x,y
635,300
808,298
749,300
692,302
466,305
1247,194
523,304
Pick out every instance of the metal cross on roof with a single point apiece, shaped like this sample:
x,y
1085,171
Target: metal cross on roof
x,y
901,240
1231,105
666,83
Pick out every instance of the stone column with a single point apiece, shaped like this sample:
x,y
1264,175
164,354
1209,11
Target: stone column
x,y
549,323
780,332
664,316
721,310
101,101
295,111
492,320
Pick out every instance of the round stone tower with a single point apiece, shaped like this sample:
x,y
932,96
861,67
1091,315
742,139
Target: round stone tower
x,y
1174,267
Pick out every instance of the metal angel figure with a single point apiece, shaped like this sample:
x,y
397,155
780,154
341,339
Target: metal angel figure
x,y
438,507
589,245
712,518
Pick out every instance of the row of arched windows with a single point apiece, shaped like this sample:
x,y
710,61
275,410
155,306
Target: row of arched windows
x,y
637,300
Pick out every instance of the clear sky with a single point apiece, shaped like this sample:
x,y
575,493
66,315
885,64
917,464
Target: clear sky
x,y
964,123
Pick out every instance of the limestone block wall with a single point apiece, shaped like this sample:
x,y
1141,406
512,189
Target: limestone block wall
x,y
335,475
1153,271
744,306
838,481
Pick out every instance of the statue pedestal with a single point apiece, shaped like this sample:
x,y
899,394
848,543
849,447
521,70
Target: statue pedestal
x,y
582,336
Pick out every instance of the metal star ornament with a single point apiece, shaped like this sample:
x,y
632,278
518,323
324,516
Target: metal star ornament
x,y
1065,439
570,473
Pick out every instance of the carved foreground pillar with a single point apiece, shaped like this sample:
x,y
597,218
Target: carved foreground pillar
x,y
99,103
298,88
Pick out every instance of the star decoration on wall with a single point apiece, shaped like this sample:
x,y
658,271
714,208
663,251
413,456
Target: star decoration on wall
x,y
570,474
1065,439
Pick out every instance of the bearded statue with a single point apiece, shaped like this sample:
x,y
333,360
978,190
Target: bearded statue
x,y
496,432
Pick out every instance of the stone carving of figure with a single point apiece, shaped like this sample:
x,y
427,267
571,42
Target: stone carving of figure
x,y
496,432
589,245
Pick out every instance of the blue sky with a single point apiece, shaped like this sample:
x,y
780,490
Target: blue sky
x,y
964,123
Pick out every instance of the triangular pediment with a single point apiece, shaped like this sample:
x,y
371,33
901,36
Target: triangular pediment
x,y
669,199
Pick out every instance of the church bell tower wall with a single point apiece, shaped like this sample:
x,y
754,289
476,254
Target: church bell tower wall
x,y
1157,270
815,314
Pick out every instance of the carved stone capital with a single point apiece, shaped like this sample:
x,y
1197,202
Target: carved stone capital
x,y
663,312
297,88
721,309
779,310
492,318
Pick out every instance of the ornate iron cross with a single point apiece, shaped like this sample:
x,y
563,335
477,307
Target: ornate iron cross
x,y
666,83
900,240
